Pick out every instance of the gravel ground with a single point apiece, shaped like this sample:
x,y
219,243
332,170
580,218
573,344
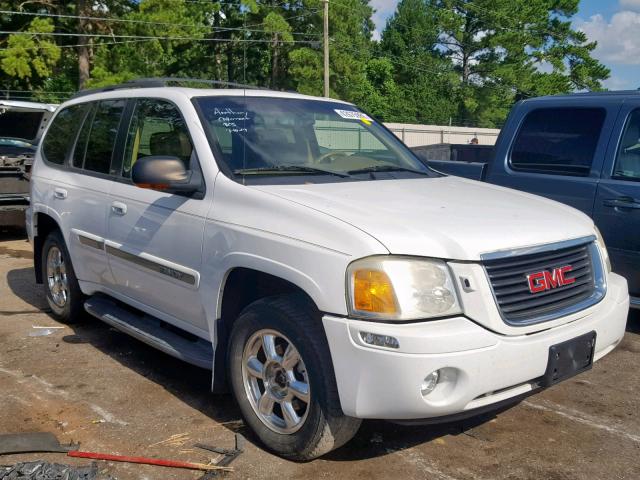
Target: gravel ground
x,y
92,384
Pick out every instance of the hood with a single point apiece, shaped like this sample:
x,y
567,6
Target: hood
x,y
445,217
24,120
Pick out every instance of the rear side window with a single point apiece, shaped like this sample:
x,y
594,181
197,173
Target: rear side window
x,y
61,134
560,141
96,141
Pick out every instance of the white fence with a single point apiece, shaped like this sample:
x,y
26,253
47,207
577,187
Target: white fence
x,y
415,135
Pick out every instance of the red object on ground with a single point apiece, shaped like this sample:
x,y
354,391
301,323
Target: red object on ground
x,y
144,460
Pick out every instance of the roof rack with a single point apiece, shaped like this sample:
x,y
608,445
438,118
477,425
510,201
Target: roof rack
x,y
163,82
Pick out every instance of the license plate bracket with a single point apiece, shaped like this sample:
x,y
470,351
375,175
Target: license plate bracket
x,y
569,358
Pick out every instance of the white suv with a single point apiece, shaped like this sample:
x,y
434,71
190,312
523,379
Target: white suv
x,y
299,250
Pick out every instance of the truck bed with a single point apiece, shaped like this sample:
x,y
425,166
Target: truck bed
x,y
472,170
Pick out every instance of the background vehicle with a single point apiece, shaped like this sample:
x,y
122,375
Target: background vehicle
x,y
21,125
582,150
455,152
297,247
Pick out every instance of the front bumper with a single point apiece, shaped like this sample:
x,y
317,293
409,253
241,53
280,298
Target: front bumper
x,y
478,367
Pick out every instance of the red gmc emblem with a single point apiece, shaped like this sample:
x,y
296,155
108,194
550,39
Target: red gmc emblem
x,y
546,280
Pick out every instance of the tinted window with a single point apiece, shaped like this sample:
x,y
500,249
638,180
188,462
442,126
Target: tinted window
x,y
560,141
628,156
97,138
81,144
472,153
61,133
156,128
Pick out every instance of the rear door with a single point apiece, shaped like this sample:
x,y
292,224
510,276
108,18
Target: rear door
x,y
154,241
556,149
81,191
617,206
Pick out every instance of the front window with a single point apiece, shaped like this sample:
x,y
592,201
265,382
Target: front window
x,y
156,128
628,156
259,136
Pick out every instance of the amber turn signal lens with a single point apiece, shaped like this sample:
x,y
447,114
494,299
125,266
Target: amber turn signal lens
x,y
373,292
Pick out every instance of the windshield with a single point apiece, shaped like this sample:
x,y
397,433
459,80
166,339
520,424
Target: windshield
x,y
290,136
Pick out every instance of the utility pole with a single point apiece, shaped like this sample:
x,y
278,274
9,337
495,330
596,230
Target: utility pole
x,y
326,47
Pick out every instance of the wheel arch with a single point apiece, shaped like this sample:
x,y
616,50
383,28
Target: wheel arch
x,y
241,287
43,224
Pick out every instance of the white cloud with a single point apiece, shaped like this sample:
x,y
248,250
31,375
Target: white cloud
x,y
630,5
618,83
383,9
618,39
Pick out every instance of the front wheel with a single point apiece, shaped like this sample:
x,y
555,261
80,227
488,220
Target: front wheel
x,y
282,377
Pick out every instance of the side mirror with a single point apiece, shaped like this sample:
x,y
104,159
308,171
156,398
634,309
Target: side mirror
x,y
165,173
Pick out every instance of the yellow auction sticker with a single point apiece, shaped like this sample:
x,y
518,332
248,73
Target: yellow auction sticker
x,y
352,115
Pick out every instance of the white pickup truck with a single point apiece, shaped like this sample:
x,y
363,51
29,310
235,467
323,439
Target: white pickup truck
x,y
299,250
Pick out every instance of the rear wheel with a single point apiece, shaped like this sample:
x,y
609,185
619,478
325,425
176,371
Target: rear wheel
x,y
60,283
282,377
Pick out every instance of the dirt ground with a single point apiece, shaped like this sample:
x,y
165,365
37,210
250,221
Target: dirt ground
x,y
92,384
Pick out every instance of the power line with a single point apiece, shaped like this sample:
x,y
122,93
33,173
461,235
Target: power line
x,y
142,22
234,4
153,37
95,45
87,17
293,17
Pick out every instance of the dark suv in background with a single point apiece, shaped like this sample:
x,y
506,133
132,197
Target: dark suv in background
x,y
582,150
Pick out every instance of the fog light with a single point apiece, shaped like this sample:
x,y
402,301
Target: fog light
x,y
379,340
429,383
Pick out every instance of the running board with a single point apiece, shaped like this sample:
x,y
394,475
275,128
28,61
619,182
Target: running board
x,y
150,330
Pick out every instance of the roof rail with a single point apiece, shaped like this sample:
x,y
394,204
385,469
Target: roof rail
x,y
606,93
163,82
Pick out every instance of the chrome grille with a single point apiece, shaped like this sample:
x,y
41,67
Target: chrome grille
x,y
508,277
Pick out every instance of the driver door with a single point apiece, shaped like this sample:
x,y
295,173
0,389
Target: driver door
x,y
154,241
617,206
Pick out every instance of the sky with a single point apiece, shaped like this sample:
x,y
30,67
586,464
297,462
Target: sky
x,y
614,24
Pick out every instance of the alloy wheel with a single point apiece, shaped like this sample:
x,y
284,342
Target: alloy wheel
x,y
57,277
276,381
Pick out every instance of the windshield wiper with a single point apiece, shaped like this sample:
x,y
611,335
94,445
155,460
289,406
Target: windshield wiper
x,y
287,169
387,168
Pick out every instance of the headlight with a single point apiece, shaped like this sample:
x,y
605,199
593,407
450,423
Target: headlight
x,y
400,288
603,250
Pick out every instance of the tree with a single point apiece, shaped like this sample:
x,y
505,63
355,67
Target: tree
x,y
501,48
28,58
423,74
439,61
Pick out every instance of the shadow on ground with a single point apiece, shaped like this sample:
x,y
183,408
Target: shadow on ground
x,y
22,282
192,385
8,233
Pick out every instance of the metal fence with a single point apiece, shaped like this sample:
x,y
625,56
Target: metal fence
x,y
415,135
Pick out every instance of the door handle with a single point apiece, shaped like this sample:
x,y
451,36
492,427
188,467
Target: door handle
x,y
621,202
60,193
119,208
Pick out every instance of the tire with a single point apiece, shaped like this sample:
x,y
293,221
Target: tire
x,y
291,320
66,306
